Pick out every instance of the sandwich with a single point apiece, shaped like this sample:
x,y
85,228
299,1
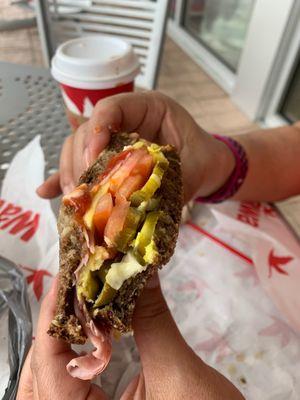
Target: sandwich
x,y
117,228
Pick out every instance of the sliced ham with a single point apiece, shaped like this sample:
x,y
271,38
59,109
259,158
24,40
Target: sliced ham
x,y
88,366
83,262
90,240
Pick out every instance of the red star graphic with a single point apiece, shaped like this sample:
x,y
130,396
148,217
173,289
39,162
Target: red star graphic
x,y
278,328
270,211
36,277
217,343
276,263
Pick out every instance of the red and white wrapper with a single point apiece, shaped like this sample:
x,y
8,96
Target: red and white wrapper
x,y
275,251
231,285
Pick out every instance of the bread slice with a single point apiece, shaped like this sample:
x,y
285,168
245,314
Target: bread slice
x,y
118,313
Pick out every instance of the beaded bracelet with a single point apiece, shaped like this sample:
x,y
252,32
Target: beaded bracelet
x,y
237,177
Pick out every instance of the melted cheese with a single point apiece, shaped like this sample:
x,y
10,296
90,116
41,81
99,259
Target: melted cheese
x,y
123,270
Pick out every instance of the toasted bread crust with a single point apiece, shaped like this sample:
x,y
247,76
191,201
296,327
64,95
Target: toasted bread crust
x,y
118,313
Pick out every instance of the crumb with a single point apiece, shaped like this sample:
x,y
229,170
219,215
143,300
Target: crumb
x,y
232,369
259,354
240,357
243,380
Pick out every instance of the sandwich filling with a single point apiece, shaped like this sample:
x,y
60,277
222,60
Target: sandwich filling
x,y
118,214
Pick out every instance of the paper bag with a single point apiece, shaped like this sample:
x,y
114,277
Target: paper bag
x,y
274,248
211,285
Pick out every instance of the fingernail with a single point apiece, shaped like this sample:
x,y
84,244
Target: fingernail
x,y
38,189
68,189
86,157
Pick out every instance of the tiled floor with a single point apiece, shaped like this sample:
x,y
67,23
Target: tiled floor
x,y
19,46
179,78
199,94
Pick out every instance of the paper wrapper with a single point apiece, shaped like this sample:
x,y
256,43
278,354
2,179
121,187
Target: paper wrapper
x,y
238,320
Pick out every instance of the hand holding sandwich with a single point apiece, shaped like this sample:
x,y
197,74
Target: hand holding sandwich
x,y
170,369
156,118
169,366
44,375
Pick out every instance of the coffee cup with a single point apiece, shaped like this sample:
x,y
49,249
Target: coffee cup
x,y
91,68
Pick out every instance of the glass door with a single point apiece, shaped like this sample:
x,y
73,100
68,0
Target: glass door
x,y
239,43
172,8
290,107
220,25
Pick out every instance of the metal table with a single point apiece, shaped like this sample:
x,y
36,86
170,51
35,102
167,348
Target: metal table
x,y
30,104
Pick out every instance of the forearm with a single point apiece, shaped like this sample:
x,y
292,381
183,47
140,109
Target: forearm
x,y
274,164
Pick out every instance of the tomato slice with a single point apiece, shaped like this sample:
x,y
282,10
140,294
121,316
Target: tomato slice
x,y
118,157
144,167
126,168
139,176
113,165
79,199
116,220
131,184
103,211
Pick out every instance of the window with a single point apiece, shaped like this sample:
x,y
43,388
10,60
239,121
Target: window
x,y
220,25
290,107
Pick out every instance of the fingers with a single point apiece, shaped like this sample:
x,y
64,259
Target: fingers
x,y
66,166
45,345
79,160
50,379
25,390
141,112
96,393
72,164
50,188
135,389
159,341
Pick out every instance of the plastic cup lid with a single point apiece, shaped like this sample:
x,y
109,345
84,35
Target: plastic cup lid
x,y
95,62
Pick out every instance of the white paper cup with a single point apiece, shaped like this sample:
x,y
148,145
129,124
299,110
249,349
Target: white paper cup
x,y
91,68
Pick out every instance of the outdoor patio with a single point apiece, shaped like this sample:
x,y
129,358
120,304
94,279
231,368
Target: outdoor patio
x,y
231,285
190,85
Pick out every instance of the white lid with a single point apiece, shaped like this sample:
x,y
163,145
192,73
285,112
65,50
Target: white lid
x,y
95,62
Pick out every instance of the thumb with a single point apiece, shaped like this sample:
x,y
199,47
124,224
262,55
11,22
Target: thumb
x,y
158,339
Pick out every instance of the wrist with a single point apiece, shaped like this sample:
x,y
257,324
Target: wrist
x,y
237,176
219,167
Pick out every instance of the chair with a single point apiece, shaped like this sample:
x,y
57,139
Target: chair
x,y
141,22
